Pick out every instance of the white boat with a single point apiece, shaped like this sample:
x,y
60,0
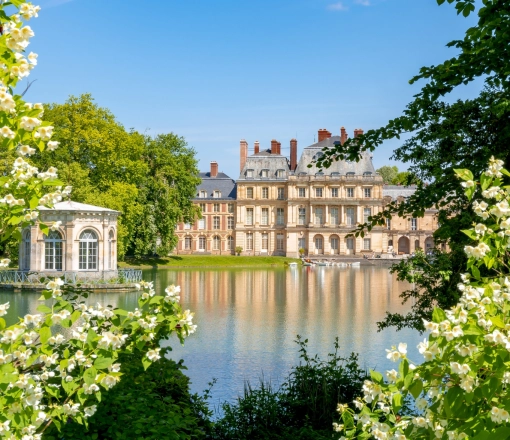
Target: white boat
x,y
356,264
342,264
293,264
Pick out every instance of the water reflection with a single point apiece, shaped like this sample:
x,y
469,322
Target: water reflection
x,y
248,319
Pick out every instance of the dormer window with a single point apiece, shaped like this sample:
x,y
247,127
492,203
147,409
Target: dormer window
x,y
335,175
249,174
350,175
319,174
202,194
264,173
217,194
280,174
367,174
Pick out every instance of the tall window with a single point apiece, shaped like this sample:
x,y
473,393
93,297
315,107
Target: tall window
x,y
350,192
88,250
280,216
111,237
202,207
334,216
388,223
281,193
249,193
280,174
202,194
264,219
279,242
187,243
201,223
249,241
230,243
301,243
264,173
217,194
318,192
367,212
265,241
334,192
187,226
302,216
230,208
25,250
318,243
366,244
216,243
249,174
318,216
334,244
216,222
351,217
368,192
350,243
202,243
249,216
230,223
216,207
265,193
301,192
414,224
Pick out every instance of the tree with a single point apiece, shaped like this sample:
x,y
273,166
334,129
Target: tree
x,y
388,173
447,136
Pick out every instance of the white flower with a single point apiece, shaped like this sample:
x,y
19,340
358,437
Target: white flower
x,y
468,184
109,381
153,355
3,308
55,226
480,228
491,192
44,133
28,123
6,132
392,375
90,410
52,145
460,369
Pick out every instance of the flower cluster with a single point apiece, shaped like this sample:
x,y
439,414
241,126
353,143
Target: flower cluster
x,y
461,389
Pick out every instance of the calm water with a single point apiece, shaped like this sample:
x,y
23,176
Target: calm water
x,y
248,319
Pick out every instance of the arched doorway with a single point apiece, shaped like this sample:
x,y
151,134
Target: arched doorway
x,y
403,245
350,246
334,242
319,244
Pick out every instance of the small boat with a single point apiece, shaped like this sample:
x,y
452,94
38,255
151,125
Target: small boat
x,y
356,264
293,264
306,263
321,263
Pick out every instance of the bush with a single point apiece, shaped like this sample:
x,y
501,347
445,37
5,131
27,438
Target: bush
x,y
151,404
304,406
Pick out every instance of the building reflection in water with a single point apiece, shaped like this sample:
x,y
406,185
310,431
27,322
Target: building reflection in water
x,y
248,319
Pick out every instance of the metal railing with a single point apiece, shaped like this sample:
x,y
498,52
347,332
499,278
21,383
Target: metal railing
x,y
120,276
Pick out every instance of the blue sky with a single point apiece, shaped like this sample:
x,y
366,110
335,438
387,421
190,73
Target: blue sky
x,y
219,71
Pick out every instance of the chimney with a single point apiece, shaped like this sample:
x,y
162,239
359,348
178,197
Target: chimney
x,y
243,145
274,146
293,154
357,132
214,169
343,135
279,148
323,134
256,147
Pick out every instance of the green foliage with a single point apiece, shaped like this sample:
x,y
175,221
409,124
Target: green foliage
x,y
151,404
304,406
388,173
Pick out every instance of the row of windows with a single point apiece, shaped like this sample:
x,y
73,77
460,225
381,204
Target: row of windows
x,y
216,224
265,193
264,217
334,243
202,243
280,242
203,194
319,192
216,207
280,174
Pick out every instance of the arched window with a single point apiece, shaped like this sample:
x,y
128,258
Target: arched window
x,y
216,243
25,250
111,247
53,251
230,243
88,250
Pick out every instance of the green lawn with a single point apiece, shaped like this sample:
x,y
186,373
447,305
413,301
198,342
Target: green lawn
x,y
206,261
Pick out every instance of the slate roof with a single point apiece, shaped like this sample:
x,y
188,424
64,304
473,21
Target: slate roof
x,y
343,167
69,205
395,191
221,182
265,160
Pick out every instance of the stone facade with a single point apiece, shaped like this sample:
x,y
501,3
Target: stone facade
x,y
282,206
85,241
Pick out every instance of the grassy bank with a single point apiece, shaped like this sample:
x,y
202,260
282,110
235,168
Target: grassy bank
x,y
206,261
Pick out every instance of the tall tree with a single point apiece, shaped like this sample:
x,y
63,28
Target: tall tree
x,y
388,173
444,137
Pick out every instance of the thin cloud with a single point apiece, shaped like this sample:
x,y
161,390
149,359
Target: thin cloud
x,y
363,2
339,6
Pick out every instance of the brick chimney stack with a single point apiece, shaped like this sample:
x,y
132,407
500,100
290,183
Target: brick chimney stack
x,y
323,134
243,146
274,146
214,169
357,132
256,147
293,154
343,135
279,148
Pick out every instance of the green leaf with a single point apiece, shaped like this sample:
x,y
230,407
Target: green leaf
x,y
45,334
416,388
475,272
348,419
43,309
464,174
438,315
76,315
103,362
146,362
376,376
34,202
44,228
397,402
90,375
470,233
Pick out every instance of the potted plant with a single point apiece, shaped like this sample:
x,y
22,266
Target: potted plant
x,y
302,252
239,249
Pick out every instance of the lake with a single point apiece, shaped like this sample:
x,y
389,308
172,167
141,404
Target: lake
x,y
248,319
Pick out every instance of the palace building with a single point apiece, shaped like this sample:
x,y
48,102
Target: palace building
x,y
280,205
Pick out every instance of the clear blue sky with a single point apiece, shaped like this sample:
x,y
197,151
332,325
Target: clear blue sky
x,y
219,71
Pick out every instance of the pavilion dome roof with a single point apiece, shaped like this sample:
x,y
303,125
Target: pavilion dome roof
x,y
69,205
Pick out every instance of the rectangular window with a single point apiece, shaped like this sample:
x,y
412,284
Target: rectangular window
x,y
187,226
202,194
280,174
202,207
249,174
351,216
202,244
366,244
388,223
249,193
318,192
216,207
217,194
301,192
264,173
249,241
216,243
368,193
187,243
367,212
334,216
249,216
318,243
414,224
265,193
301,243
302,216
230,208
334,192
265,241
334,245
280,216
264,219
53,254
281,193
279,242
216,223
350,192
230,223
318,216
201,223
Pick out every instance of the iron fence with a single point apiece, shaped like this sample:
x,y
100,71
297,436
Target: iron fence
x,y
120,276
